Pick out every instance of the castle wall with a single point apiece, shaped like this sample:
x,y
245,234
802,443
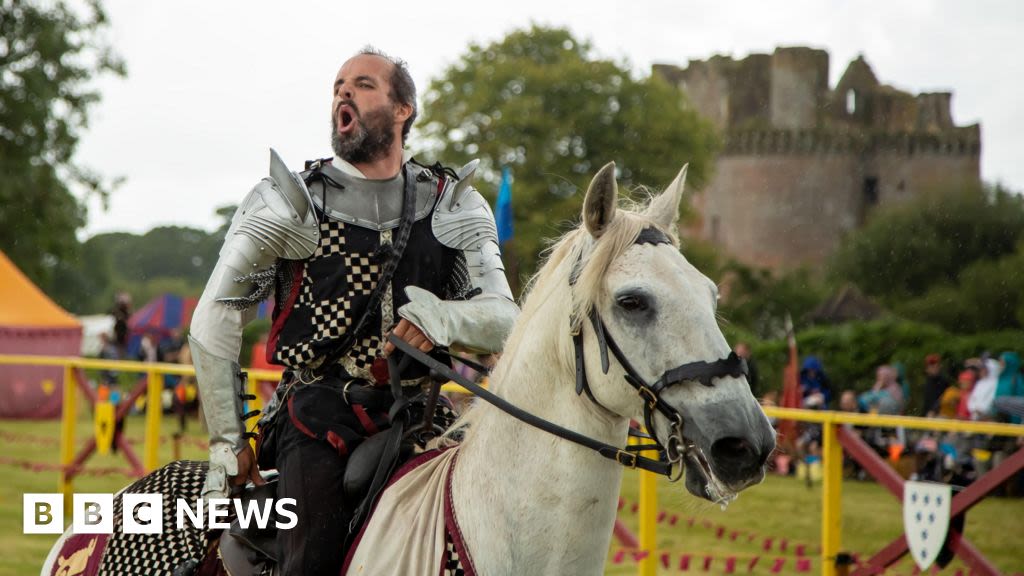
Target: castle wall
x,y
780,210
909,165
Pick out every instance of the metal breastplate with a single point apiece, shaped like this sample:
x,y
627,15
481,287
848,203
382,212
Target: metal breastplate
x,y
371,204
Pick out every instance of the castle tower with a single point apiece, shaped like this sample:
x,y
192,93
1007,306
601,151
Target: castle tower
x,y
803,164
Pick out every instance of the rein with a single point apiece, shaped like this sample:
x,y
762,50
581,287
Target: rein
x,y
626,457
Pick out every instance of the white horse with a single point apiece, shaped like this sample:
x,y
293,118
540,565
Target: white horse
x,y
529,502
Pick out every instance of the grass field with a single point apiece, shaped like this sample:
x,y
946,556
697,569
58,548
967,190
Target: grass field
x,y
779,508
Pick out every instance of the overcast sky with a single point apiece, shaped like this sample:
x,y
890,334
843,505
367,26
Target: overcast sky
x,y
212,84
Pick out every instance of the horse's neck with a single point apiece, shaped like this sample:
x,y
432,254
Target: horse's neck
x,y
527,501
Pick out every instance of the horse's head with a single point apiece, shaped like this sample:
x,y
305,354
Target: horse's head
x,y
656,313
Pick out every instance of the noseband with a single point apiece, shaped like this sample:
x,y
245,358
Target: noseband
x,y
703,372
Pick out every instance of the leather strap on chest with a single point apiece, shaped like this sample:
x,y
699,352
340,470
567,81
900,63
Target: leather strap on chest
x,y
392,259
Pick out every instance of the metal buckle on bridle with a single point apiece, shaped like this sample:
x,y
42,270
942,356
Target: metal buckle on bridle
x,y
648,395
630,458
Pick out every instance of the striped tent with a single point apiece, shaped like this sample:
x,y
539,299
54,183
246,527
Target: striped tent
x,y
164,315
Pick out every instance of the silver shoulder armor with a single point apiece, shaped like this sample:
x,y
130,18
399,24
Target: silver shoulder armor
x,y
463,220
276,220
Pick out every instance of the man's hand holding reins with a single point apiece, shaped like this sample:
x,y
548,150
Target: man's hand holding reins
x,y
412,334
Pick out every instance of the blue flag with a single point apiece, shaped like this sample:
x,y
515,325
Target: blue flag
x,y
503,207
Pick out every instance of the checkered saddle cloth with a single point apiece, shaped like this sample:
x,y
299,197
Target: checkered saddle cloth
x,y
141,554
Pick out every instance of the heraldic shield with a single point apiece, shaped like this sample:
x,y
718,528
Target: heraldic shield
x,y
926,507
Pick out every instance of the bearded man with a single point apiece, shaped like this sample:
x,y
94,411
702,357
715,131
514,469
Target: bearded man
x,y
355,247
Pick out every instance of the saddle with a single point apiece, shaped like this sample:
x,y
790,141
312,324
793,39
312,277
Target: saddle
x,y
254,551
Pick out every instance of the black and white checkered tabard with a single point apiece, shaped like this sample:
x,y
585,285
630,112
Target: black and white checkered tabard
x,y
332,318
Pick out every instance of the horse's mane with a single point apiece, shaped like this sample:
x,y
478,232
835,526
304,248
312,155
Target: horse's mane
x,y
549,299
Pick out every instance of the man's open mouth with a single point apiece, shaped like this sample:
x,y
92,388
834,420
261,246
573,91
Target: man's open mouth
x,y
346,118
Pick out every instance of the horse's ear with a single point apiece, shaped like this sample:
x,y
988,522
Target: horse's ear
x,y
664,209
599,205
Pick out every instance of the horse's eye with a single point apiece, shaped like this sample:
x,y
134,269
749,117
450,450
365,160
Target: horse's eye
x,y
632,303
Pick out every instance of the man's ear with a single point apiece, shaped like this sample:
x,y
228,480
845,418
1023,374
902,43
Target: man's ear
x,y
402,113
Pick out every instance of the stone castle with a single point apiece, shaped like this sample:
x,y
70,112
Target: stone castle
x,y
802,164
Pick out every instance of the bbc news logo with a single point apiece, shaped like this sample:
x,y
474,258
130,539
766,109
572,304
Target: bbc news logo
x,y
144,513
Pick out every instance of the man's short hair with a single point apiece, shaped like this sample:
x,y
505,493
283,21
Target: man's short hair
x,y
403,89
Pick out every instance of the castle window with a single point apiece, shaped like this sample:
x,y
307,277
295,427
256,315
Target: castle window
x,y
851,101
870,192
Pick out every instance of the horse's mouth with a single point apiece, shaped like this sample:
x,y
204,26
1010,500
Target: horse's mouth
x,y
701,480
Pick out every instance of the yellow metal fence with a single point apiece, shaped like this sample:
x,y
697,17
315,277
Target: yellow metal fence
x,y
832,456
832,477
154,373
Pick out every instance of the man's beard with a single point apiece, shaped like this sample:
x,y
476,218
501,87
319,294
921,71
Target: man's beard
x,y
372,139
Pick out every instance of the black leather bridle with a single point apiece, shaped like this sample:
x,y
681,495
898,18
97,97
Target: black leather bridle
x,y
701,371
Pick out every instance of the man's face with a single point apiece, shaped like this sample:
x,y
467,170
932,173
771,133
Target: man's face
x,y
364,123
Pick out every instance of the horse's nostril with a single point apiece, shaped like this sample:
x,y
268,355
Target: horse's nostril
x,y
734,452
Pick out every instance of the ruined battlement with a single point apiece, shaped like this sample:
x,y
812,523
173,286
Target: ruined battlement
x,y
953,141
804,163
789,89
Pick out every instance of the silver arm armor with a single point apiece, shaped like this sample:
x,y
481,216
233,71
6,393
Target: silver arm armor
x,y
219,389
276,220
462,220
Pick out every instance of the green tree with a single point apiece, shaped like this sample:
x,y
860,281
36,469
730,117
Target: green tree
x,y
907,250
542,103
50,53
987,295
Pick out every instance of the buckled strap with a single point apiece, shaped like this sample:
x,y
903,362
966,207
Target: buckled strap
x,y
401,238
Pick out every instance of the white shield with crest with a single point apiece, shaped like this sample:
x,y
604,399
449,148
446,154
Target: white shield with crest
x,y
926,508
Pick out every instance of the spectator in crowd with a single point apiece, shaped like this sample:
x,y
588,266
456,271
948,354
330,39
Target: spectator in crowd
x,y
848,401
980,402
121,312
886,395
108,351
1009,385
815,387
901,378
168,348
935,383
966,381
742,350
949,402
148,348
